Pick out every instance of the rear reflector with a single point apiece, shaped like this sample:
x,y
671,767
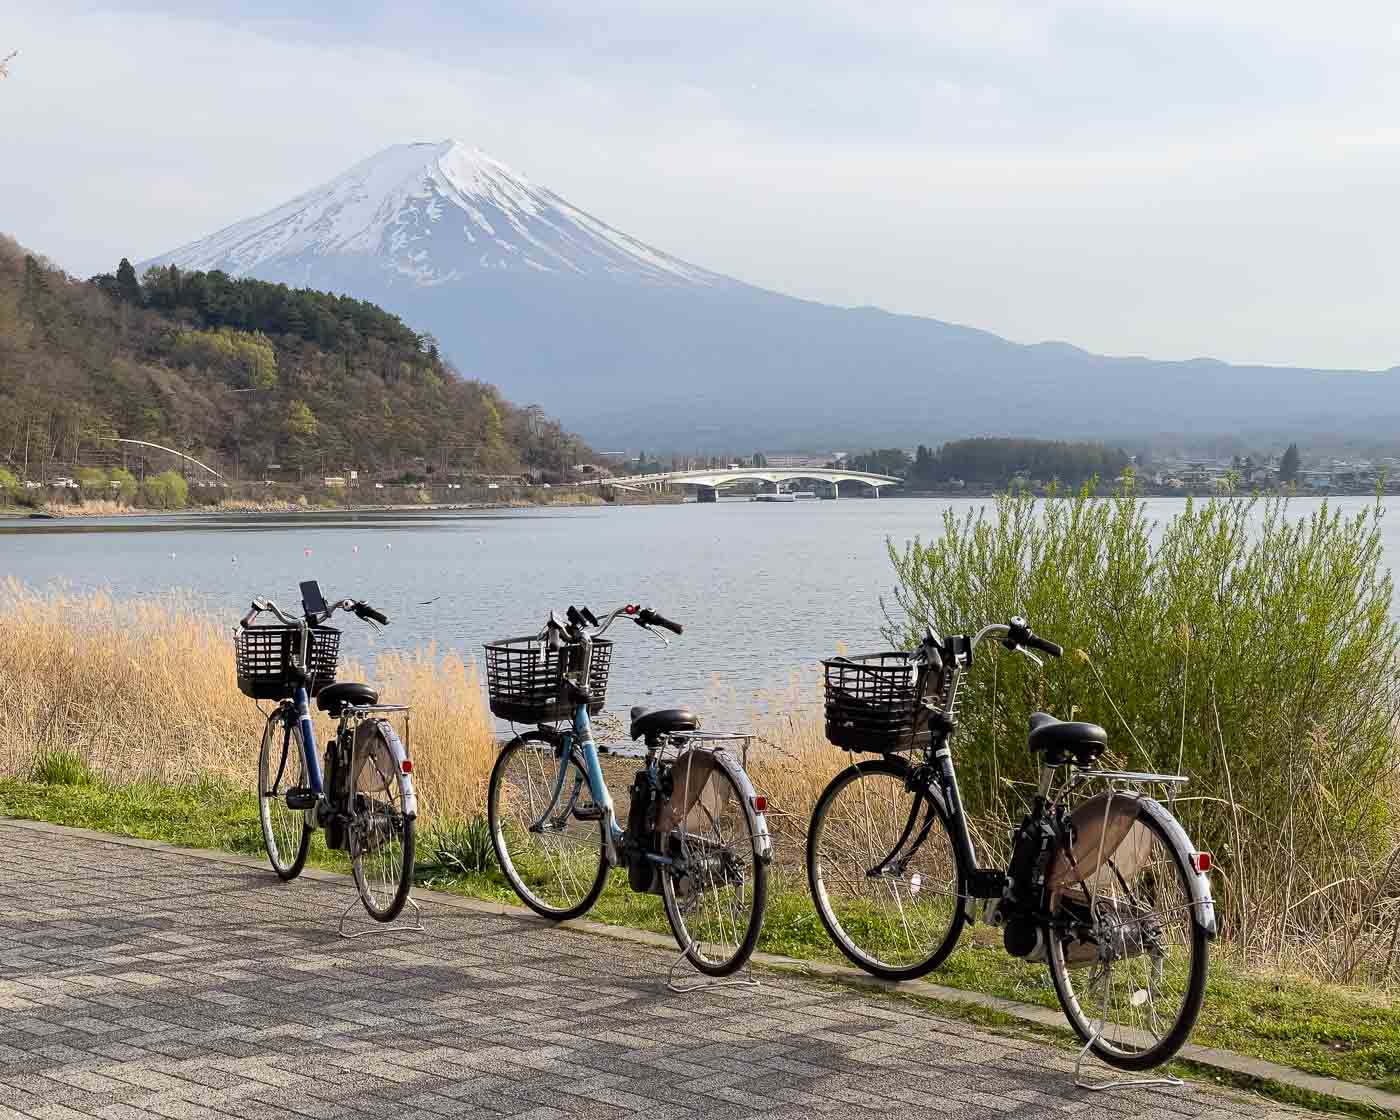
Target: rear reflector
x,y
407,766
1203,862
760,804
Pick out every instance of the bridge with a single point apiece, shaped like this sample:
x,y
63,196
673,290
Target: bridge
x,y
708,483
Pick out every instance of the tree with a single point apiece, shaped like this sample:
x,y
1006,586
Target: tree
x,y
10,488
1288,466
166,490
301,421
126,488
128,287
92,481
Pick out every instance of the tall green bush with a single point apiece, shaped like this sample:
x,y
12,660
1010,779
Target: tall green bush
x,y
166,490
1244,643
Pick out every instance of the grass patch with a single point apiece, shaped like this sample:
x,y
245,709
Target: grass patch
x,y
61,768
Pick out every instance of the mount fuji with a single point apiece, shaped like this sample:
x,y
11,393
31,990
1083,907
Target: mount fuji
x,y
634,348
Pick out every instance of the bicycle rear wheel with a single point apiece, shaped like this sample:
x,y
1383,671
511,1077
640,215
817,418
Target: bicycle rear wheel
x,y
381,837
884,872
282,767
715,891
1128,959
554,858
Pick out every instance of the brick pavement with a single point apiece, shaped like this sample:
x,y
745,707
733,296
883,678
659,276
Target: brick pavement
x,y
144,983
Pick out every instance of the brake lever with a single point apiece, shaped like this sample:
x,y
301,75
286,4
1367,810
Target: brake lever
x,y
665,641
1024,652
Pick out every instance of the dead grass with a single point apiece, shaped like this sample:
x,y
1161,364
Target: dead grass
x,y
144,690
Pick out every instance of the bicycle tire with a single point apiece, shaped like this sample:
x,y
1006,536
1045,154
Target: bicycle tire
x,y
731,859
1170,1041
381,838
528,796
282,766
855,909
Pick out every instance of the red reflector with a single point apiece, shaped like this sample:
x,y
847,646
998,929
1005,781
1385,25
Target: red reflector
x,y
631,608
407,766
1203,862
760,804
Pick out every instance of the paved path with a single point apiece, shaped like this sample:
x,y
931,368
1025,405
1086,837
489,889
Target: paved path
x,y
138,983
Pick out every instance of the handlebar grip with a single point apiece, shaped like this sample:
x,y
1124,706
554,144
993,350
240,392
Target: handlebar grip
x,y
651,618
1044,645
366,611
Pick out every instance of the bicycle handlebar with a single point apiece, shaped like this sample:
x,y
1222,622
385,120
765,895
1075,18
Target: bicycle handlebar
x,y
648,617
579,621
359,609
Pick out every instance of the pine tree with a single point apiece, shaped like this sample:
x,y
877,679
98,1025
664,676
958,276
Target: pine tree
x,y
128,287
1288,466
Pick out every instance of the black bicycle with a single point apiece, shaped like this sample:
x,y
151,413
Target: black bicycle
x,y
364,799
1111,896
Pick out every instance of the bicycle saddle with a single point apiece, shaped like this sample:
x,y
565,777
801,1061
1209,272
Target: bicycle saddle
x,y
663,721
1057,741
334,697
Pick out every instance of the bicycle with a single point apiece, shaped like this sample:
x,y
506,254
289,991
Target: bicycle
x,y
696,833
364,798
1112,897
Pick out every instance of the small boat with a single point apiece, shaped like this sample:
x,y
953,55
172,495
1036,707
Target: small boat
x,y
775,497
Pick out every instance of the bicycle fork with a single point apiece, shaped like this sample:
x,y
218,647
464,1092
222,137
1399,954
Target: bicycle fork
x,y
581,739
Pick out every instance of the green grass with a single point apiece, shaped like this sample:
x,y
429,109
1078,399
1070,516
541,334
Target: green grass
x,y
1349,1033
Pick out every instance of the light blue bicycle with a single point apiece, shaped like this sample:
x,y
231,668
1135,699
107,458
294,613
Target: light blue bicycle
x,y
696,833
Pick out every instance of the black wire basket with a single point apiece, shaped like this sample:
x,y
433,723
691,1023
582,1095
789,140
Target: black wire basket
x,y
872,703
525,678
263,656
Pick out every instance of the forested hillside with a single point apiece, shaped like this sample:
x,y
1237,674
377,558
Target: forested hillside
x,y
241,374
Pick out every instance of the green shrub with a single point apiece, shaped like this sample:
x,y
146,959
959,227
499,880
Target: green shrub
x,y
61,768
166,490
458,848
92,481
1245,645
10,487
127,486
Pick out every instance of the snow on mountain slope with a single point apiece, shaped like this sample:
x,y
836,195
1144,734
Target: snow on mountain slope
x,y
428,214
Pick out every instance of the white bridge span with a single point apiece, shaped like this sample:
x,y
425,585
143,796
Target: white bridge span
x,y
719,478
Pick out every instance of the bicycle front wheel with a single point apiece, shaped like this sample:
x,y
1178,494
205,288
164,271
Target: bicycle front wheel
x,y
282,767
1126,954
380,835
884,872
715,891
547,833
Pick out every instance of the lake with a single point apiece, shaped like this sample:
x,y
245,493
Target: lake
x,y
764,590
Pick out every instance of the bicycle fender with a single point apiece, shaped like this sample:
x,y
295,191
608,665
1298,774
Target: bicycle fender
x,y
405,768
1202,904
758,825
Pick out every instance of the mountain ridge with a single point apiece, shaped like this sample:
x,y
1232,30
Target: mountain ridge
x,y
634,347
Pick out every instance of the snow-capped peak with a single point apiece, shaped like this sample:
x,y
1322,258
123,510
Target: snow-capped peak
x,y
428,214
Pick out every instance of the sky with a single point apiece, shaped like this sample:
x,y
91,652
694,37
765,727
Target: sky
x,y
1173,179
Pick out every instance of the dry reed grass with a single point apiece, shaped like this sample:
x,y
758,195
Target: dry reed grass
x,y
145,689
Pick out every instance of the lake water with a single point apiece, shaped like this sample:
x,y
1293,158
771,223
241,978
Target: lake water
x,y
764,590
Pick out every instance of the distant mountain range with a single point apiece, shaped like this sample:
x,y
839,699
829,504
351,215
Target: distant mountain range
x,y
634,348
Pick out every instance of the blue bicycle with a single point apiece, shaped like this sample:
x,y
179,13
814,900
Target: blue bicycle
x,y
364,799
696,833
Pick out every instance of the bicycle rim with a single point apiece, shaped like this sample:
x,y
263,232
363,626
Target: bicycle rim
x,y
1136,982
715,892
554,860
282,766
884,872
381,837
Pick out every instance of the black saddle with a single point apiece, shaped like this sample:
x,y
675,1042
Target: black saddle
x,y
662,721
1057,741
335,697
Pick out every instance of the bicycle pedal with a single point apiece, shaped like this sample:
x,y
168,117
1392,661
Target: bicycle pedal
x,y
301,798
